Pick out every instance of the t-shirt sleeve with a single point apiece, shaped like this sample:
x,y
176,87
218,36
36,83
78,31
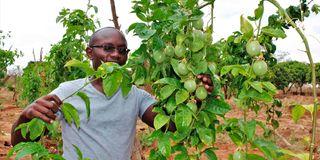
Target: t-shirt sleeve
x,y
62,92
146,100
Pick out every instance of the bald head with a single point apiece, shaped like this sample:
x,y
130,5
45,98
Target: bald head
x,y
105,32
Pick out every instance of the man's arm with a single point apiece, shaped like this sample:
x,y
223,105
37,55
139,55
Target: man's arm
x,y
148,118
43,108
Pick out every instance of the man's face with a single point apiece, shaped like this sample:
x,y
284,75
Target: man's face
x,y
109,46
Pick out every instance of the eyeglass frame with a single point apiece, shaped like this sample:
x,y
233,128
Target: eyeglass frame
x,y
126,51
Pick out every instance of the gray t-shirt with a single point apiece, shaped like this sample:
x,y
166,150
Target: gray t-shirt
x,y
110,131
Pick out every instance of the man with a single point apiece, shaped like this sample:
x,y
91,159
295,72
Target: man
x,y
110,132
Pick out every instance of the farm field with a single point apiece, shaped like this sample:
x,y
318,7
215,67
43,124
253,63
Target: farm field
x,y
230,97
289,135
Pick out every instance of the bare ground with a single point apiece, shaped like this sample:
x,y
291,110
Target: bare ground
x,y
290,135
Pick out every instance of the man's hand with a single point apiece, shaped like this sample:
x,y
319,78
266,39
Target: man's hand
x,y
43,108
206,82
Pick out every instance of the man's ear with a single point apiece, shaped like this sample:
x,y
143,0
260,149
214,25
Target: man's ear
x,y
89,52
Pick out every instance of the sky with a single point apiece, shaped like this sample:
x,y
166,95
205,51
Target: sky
x,y
33,24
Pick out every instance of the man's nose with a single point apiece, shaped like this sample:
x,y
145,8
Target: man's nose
x,y
115,54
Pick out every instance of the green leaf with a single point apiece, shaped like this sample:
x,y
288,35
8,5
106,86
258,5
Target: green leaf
x,y
171,104
257,86
236,138
160,120
198,41
183,118
174,63
236,69
226,69
251,129
16,148
86,99
205,135
308,107
181,96
36,128
164,145
194,140
315,8
254,94
78,151
125,85
139,75
108,67
24,128
178,136
31,148
166,91
170,81
300,156
200,67
254,157
258,12
95,9
210,154
69,111
205,117
269,149
83,65
297,112
112,83
245,27
269,86
274,32
218,106
143,31
181,156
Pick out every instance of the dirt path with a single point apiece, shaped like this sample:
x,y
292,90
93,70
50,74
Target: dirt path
x,y
8,114
294,137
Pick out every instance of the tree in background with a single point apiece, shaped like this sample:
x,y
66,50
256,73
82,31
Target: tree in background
x,y
290,73
72,46
39,78
298,72
6,56
280,76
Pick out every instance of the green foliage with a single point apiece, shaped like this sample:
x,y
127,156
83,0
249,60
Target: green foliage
x,y
195,54
6,56
281,75
34,82
37,151
298,111
72,46
293,72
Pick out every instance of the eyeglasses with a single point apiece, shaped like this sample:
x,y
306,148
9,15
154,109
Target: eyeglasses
x,y
111,49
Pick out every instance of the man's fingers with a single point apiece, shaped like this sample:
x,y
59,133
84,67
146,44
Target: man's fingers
x,y
53,98
45,111
42,116
56,99
47,103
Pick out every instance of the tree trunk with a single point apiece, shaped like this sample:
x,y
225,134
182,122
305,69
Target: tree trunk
x,y
290,87
225,88
114,15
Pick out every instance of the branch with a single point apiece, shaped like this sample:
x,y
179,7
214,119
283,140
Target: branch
x,y
114,15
